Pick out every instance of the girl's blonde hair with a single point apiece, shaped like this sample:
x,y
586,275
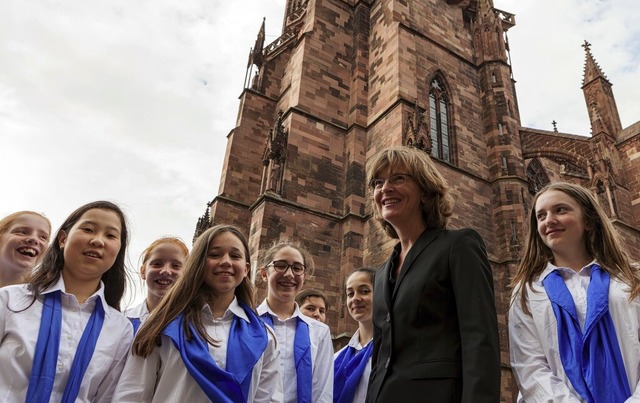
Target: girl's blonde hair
x,y
601,238
190,293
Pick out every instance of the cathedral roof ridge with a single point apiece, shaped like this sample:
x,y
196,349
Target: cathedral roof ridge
x,y
531,130
630,131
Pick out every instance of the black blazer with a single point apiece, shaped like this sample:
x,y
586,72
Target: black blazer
x,y
435,331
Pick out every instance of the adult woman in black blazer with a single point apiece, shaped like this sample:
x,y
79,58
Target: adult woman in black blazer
x,y
434,316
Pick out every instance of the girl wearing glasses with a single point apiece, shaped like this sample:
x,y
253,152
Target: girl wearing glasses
x,y
204,342
434,315
305,346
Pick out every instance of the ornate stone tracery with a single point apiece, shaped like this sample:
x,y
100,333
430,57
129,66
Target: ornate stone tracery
x,y
204,222
439,122
415,129
536,176
274,157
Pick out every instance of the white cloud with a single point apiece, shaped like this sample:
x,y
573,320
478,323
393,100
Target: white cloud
x,y
131,101
125,101
548,59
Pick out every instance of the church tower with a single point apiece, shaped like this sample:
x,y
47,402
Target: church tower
x,y
347,78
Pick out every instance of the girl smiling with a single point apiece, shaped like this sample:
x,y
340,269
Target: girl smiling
x,y
24,235
204,342
63,337
305,344
161,266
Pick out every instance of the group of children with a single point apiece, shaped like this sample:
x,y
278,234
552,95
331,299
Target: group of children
x,y
199,335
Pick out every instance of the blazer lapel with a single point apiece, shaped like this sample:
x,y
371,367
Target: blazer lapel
x,y
421,244
385,272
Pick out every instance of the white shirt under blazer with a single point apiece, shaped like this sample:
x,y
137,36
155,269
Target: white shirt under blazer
x,y
19,328
535,359
321,355
162,376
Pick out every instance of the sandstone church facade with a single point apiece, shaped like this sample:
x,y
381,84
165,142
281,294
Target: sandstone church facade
x,y
349,77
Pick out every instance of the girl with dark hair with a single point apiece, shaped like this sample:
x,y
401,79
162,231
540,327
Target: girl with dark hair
x,y
313,303
352,364
62,336
305,344
24,236
574,320
161,266
204,342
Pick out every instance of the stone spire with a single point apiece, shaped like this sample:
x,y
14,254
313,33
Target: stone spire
x,y
591,68
598,95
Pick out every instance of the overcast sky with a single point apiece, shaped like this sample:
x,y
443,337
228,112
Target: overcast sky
x,y
131,101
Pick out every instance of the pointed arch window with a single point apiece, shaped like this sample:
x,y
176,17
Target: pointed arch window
x,y
536,176
439,121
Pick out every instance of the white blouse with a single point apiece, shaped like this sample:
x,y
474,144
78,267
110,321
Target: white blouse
x,y
139,311
163,377
533,340
321,355
19,328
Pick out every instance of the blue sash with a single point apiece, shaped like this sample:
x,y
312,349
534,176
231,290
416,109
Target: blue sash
x,y
349,368
302,358
136,324
247,342
591,358
43,371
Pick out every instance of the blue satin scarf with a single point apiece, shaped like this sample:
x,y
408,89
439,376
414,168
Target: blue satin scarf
x,y
247,342
45,358
136,324
302,358
591,358
349,367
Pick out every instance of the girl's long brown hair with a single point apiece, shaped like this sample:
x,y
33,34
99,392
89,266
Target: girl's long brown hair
x,y
602,241
190,293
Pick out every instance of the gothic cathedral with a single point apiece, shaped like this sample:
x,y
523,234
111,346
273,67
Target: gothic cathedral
x,y
349,77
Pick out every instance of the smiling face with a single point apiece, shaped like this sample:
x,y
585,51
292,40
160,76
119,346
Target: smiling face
x,y
226,265
283,287
401,204
162,268
23,243
91,245
360,296
561,225
314,307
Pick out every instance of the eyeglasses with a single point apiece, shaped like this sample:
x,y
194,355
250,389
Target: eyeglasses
x,y
282,266
394,180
